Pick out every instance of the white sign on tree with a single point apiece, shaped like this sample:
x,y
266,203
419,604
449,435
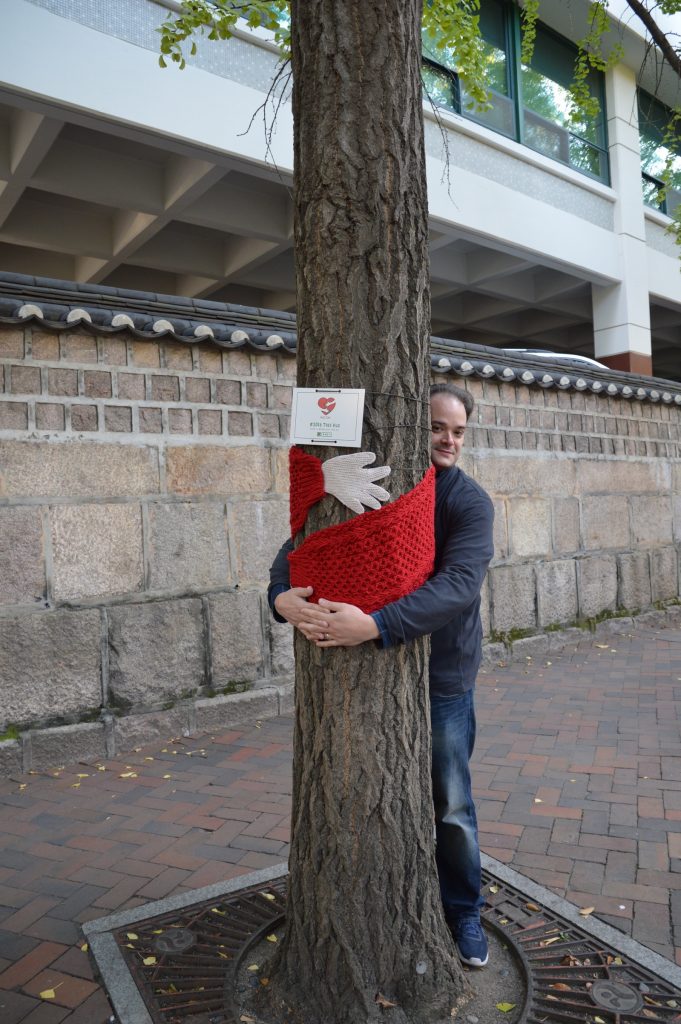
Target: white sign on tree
x,y
331,416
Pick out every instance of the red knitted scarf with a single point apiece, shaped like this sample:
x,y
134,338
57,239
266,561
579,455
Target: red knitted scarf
x,y
373,558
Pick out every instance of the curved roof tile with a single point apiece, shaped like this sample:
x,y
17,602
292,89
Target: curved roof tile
x,y
59,305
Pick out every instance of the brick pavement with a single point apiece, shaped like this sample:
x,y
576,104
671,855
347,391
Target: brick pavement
x,y
578,782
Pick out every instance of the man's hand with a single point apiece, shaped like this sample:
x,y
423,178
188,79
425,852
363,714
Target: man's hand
x,y
346,626
294,606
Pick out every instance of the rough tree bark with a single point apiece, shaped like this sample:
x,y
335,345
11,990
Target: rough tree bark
x,y
364,915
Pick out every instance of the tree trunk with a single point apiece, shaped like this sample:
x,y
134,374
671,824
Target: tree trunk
x,y
364,917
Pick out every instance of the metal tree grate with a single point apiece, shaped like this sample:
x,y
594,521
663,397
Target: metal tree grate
x,y
184,963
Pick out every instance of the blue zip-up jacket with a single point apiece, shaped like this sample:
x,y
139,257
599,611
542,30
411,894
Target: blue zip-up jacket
x,y
448,605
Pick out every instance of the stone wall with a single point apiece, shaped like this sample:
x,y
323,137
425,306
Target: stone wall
x,y
587,493
143,495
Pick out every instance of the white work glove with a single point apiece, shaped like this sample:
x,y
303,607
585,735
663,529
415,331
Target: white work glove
x,y
347,480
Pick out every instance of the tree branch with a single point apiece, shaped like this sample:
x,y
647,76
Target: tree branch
x,y
658,36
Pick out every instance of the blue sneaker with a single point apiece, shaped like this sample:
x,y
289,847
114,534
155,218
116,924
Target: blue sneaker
x,y
470,940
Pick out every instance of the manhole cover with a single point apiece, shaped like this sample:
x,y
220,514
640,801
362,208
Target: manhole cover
x,y
615,995
571,976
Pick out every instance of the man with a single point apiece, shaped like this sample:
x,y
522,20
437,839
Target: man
x,y
447,606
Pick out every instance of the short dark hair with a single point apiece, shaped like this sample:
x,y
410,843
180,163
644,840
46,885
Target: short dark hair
x,y
465,397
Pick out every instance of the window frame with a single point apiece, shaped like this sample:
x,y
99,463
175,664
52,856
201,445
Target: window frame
x,y
661,206
513,39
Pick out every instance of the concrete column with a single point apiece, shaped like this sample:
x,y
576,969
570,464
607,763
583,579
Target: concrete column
x,y
621,312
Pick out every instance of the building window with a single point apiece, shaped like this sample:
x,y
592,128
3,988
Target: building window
x,y
530,104
656,154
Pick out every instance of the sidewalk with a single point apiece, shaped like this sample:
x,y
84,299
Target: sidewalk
x,y
578,782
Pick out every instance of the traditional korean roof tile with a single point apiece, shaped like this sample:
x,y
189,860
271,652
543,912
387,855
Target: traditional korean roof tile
x,y
61,305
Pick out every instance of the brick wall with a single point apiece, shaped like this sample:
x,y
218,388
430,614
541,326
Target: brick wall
x,y
143,495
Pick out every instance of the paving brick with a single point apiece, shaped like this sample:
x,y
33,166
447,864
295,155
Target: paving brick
x,y
46,1014
14,1007
68,990
31,964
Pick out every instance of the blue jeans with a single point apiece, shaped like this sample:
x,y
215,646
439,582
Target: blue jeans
x,y
456,826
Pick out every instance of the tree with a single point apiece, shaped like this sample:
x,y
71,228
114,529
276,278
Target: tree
x,y
365,937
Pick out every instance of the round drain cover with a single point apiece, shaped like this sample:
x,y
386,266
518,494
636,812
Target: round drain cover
x,y
175,940
615,995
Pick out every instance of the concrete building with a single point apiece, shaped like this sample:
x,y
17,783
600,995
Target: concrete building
x,y
115,172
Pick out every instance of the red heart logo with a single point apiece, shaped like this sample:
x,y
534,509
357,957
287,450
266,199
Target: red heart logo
x,y
327,405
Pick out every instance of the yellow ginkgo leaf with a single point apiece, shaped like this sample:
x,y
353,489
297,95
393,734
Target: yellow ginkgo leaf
x,y
82,775
84,948
149,961
505,1007
132,936
585,911
268,895
253,967
494,888
128,775
271,938
47,993
75,785
167,776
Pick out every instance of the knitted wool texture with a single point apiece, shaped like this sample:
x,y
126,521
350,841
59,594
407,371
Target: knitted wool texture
x,y
374,558
307,486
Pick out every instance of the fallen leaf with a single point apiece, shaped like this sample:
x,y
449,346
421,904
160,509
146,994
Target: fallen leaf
x,y
75,785
532,906
101,767
264,981
383,1002
505,1007
271,938
216,910
268,895
223,956
560,986
149,961
494,888
538,801
82,775
167,776
49,993
599,1020
585,911
253,967
246,1019
549,942
504,920
603,647
128,775
84,948
22,785
132,936
148,759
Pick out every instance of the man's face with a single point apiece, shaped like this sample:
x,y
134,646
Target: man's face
x,y
447,426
